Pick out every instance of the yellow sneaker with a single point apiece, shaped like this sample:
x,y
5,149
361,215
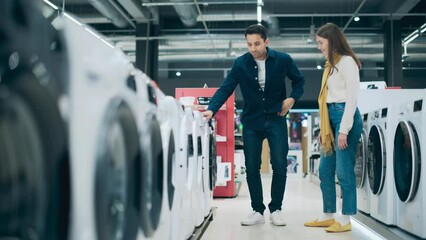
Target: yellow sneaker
x,y
316,223
337,227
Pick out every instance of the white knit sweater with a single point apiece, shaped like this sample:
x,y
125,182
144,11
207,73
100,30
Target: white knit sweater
x,y
343,86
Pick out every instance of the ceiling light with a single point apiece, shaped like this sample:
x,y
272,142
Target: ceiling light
x,y
411,37
319,67
356,19
51,4
178,73
423,28
414,34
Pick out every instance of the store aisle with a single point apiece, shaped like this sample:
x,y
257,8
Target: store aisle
x,y
302,202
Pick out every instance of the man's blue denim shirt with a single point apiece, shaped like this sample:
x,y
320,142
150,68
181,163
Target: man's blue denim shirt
x,y
258,103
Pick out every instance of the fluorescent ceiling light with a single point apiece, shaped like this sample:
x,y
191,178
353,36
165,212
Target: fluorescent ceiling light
x,y
411,37
51,4
423,28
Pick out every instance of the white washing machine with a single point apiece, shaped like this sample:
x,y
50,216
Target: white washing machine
x,y
409,138
34,154
207,152
169,116
104,138
380,167
181,206
198,190
188,162
152,185
362,183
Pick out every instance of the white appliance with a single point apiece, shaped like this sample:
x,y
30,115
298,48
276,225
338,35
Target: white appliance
x,y
409,138
208,151
198,190
104,138
362,183
151,200
179,210
34,156
169,117
380,167
187,160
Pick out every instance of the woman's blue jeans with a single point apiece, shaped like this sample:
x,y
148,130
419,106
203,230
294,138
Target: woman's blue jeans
x,y
275,130
342,163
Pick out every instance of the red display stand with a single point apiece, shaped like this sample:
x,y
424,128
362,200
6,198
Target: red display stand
x,y
224,128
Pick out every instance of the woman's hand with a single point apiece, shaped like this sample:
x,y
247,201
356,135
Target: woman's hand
x,y
342,141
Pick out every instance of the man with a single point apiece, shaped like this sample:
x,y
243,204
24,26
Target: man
x,y
261,74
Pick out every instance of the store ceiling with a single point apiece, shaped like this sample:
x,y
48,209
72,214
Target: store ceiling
x,y
209,30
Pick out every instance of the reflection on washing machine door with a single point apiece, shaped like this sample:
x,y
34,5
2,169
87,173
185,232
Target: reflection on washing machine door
x,y
361,160
407,161
376,159
118,150
212,162
150,177
171,159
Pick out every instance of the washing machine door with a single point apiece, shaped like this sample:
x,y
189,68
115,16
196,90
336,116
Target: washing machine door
x,y
34,160
361,160
406,160
150,176
376,159
117,154
212,160
171,161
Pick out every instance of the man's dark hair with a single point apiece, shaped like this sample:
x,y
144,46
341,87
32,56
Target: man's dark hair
x,y
257,29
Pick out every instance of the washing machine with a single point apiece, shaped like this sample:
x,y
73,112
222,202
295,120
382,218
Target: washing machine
x,y
208,150
169,117
198,190
409,138
34,153
153,214
189,159
181,201
213,155
380,165
362,183
104,138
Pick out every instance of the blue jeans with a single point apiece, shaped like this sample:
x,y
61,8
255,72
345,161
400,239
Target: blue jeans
x,y
275,130
342,163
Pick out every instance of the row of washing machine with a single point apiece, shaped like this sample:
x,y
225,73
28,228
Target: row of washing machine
x,y
391,159
90,148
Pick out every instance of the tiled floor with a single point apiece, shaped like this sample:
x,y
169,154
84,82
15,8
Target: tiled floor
x,y
302,202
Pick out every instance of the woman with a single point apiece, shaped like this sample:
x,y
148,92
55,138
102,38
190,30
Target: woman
x,y
341,125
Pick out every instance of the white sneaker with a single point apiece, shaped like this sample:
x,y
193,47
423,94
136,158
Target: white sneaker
x,y
277,218
253,218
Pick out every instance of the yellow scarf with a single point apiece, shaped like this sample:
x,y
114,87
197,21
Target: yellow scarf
x,y
327,138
